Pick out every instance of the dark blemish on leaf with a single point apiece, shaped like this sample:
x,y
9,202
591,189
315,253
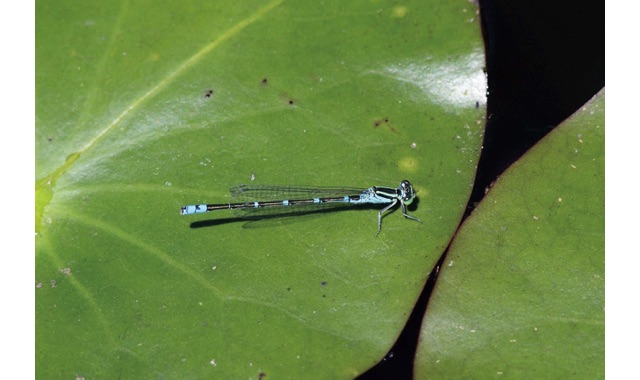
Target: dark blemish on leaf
x,y
379,122
287,99
208,93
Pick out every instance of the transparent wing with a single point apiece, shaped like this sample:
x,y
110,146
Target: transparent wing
x,y
270,193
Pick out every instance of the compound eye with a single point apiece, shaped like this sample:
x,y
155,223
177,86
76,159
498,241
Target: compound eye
x,y
407,192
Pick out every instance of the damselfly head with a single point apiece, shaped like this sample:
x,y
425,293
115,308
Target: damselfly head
x,y
407,194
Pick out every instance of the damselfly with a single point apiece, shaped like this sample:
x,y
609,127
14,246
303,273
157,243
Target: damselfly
x,y
261,200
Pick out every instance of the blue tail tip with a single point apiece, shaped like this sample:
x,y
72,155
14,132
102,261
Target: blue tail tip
x,y
193,209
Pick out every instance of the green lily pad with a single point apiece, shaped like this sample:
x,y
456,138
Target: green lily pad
x,y
144,108
521,293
